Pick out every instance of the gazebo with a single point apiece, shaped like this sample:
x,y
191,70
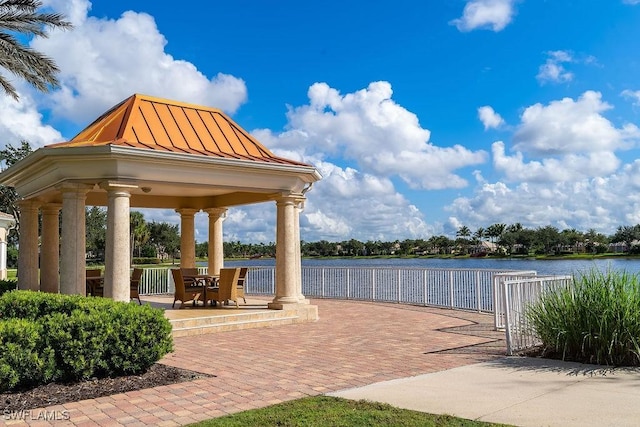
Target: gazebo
x,y
148,152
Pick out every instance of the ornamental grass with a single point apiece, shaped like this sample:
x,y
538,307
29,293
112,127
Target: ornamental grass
x,y
597,320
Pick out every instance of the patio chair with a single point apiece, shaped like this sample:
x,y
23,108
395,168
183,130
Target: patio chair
x,y
241,279
184,293
95,285
188,271
135,284
227,287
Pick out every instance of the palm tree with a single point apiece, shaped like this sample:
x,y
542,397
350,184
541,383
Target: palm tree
x,y
20,17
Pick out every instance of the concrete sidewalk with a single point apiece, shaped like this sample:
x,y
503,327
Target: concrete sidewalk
x,y
519,391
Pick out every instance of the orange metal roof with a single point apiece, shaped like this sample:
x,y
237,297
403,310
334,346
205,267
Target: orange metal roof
x,y
147,122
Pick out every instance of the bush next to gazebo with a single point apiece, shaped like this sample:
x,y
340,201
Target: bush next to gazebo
x,y
51,337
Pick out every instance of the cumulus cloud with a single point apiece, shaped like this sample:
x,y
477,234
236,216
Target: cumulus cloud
x,y
602,203
553,70
21,121
493,14
102,63
570,126
369,128
566,168
489,118
572,177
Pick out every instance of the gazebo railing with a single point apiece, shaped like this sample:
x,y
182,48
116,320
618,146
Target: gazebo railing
x,y
465,289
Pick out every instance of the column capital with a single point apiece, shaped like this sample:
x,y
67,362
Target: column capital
x,y
110,186
27,204
74,187
52,208
216,212
187,211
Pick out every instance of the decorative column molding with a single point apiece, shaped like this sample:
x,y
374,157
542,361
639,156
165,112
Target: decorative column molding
x,y
215,249
187,237
117,262
28,243
287,272
73,277
7,222
50,248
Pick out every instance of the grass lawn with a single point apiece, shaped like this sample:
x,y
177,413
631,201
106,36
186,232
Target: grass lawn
x,y
328,411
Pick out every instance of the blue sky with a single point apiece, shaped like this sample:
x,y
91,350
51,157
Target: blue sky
x,y
421,116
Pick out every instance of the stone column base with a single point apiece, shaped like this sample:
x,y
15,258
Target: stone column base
x,y
304,311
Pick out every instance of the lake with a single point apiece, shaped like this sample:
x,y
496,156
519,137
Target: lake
x,y
543,267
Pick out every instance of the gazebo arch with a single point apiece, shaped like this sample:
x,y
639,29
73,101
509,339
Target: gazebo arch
x,y
150,152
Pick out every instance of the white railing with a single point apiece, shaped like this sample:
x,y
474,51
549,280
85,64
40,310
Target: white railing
x,y
464,289
517,295
498,294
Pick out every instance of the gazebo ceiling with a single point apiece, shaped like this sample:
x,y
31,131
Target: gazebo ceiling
x,y
169,154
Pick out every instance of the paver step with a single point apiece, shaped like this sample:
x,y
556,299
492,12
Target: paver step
x,y
230,322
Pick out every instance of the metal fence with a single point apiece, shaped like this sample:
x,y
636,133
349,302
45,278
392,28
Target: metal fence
x,y
465,289
517,295
498,290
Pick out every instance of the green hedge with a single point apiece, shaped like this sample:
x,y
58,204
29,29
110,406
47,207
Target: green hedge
x,y
51,337
146,261
8,285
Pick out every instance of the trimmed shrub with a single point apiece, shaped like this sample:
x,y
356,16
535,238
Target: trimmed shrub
x,y
597,320
8,285
81,337
24,361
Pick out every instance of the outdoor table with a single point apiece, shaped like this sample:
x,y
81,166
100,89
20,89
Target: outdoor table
x,y
204,280
94,283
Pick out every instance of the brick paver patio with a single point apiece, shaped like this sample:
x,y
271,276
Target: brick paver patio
x,y
353,344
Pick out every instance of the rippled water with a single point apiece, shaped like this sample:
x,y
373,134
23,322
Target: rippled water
x,y
564,266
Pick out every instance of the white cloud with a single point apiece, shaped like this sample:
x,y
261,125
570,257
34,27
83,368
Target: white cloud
x,y
369,128
493,14
569,167
602,203
631,1
569,126
20,120
489,118
553,70
102,63
634,95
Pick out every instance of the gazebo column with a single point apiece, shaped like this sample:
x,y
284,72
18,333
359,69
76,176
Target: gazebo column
x,y
6,222
117,262
287,270
215,248
298,209
73,276
28,256
187,237
50,249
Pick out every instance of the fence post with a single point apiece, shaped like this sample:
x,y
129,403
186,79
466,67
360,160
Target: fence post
x,y
399,286
507,319
478,296
451,305
426,297
373,284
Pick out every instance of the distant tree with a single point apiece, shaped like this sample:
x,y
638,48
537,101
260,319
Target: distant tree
x,y
202,249
165,238
9,156
96,230
140,233
627,234
19,21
